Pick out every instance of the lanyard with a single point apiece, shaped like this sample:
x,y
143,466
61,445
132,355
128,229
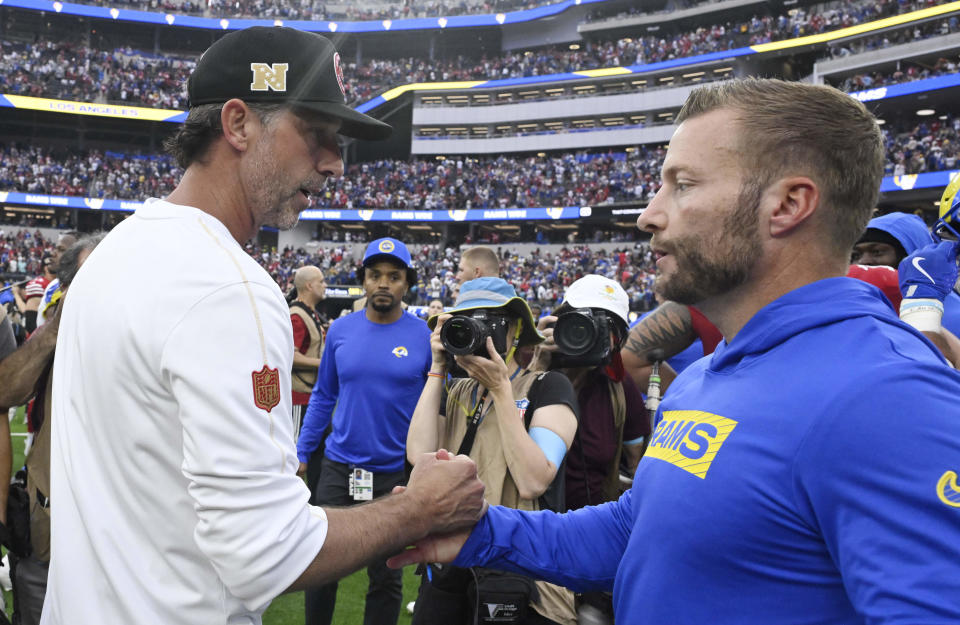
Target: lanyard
x,y
476,417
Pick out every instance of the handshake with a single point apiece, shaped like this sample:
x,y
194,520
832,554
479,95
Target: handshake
x,y
447,498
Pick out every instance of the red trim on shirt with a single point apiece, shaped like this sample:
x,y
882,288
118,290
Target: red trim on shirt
x,y
708,333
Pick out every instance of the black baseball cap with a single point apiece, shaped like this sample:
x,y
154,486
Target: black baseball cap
x,y
280,65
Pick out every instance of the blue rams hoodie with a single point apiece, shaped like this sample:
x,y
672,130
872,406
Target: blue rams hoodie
x,y
804,473
913,234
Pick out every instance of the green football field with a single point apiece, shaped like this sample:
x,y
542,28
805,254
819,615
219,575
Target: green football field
x,y
287,609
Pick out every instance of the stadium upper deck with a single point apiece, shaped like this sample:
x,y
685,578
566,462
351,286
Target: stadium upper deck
x,y
653,90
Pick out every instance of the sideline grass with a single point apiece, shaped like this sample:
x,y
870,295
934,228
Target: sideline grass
x,y
287,609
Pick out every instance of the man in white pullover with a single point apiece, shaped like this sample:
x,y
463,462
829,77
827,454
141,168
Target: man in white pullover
x,y
174,495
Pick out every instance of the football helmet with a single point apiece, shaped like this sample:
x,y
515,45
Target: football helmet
x,y
949,223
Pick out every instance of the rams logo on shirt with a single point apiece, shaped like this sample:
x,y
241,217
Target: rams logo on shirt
x,y
948,490
690,439
399,351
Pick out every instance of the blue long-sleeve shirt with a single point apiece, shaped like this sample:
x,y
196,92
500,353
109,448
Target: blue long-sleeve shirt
x,y
372,374
805,473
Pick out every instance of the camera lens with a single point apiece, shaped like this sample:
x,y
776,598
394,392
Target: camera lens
x,y
462,335
575,333
459,336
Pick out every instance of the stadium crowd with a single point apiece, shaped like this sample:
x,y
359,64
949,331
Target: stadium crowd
x,y
22,251
539,278
99,73
70,70
37,169
569,179
907,71
928,145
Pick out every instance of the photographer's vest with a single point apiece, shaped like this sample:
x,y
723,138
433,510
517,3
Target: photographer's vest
x,y
38,473
556,602
304,379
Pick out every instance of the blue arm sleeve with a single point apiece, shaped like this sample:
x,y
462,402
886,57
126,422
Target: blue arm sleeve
x,y
869,477
322,400
580,550
550,444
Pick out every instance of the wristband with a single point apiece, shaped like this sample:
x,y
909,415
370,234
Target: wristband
x,y
436,375
923,314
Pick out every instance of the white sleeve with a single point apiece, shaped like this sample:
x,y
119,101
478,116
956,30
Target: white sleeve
x,y
253,517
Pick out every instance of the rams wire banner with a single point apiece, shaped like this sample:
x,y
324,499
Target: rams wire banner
x,y
890,184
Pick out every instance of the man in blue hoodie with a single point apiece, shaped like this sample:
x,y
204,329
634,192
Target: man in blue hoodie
x,y
805,472
374,365
889,239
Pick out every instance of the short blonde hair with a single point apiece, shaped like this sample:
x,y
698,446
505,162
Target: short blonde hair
x,y
792,128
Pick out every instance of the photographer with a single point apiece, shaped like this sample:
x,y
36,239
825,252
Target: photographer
x,y
583,342
514,423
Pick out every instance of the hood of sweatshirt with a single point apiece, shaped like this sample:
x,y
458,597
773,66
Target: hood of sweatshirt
x,y
910,230
820,303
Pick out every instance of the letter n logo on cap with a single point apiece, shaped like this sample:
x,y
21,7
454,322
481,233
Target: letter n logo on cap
x,y
269,77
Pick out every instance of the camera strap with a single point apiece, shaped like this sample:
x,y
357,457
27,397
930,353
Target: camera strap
x,y
473,422
476,416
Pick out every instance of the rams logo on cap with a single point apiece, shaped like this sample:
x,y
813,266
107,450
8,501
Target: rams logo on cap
x,y
399,351
269,77
385,246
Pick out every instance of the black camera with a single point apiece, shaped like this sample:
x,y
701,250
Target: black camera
x,y
583,339
467,334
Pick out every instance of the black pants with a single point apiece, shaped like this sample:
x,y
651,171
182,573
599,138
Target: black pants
x,y
385,592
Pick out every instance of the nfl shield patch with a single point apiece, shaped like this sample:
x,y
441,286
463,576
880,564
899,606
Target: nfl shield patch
x,y
266,388
522,405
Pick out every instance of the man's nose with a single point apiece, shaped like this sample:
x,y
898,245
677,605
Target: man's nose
x,y
653,218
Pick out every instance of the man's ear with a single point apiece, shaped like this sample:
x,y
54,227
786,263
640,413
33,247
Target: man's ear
x,y
236,120
795,200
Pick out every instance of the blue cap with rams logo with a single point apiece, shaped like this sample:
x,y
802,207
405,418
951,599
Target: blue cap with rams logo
x,y
387,248
276,64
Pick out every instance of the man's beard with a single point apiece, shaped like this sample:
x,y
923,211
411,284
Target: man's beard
x,y
382,307
736,249
267,182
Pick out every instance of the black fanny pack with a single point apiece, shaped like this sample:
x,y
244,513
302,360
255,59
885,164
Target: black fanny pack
x,y
474,596
500,597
